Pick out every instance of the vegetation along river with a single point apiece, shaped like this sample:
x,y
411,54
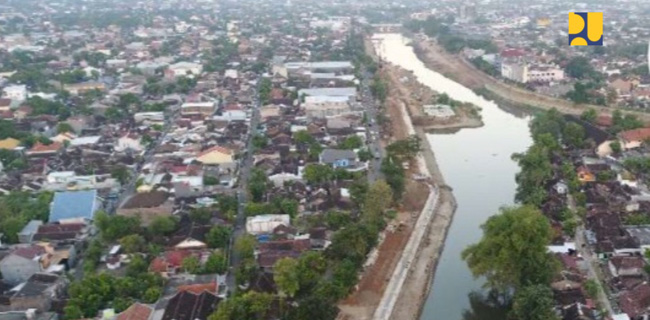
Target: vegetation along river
x,y
476,164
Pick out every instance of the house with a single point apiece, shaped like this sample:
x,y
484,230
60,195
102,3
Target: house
x,y
631,139
45,150
9,143
204,109
264,224
186,69
79,88
74,206
348,92
338,158
61,232
636,302
190,236
268,253
38,292
26,235
326,107
623,266
217,156
79,123
187,305
136,311
15,92
170,262
147,206
129,142
19,265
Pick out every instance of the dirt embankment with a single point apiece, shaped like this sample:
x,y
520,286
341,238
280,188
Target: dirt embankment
x,y
402,107
404,86
463,72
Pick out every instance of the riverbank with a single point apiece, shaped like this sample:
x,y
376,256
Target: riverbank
x,y
405,87
405,101
463,72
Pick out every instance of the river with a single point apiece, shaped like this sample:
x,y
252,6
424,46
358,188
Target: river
x,y
476,163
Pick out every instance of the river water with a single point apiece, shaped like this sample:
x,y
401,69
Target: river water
x,y
476,164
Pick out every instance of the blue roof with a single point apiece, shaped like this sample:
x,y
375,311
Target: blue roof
x,y
74,204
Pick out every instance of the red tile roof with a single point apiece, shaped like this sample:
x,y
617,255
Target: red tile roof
x,y
136,311
636,134
635,301
199,288
39,147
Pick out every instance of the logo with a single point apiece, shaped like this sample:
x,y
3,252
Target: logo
x,y
585,28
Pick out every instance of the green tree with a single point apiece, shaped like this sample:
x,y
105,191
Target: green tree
x,y
133,243
227,205
573,135
64,127
534,302
113,227
616,147
290,207
512,252
303,137
378,199
201,215
121,173
163,226
351,142
245,246
191,265
579,68
218,236
590,115
251,305
318,174
258,183
285,275
216,263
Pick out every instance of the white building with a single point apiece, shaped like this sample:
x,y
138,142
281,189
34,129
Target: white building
x,y
183,69
439,111
322,109
16,92
522,72
129,142
152,117
264,224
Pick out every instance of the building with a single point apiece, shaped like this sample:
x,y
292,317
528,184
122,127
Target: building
x,y
325,108
523,72
187,69
151,117
147,206
205,109
631,139
129,142
37,293
441,111
74,206
264,224
217,156
79,88
338,158
349,92
16,92
19,265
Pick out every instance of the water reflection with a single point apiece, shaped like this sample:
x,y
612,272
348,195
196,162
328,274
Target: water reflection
x,y
487,306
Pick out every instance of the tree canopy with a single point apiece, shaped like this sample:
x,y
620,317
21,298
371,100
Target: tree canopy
x,y
512,252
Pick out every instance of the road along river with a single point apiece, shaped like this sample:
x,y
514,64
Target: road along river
x,y
476,163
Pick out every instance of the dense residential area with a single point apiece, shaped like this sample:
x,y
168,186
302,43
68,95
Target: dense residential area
x,y
186,161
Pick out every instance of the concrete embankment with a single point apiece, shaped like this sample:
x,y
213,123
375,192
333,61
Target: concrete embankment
x,y
409,286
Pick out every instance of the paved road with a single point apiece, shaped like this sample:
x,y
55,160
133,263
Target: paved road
x,y
242,192
372,128
592,262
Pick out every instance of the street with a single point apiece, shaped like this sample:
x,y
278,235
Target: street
x,y
372,128
242,192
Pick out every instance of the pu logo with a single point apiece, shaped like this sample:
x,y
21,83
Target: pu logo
x,y
585,28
